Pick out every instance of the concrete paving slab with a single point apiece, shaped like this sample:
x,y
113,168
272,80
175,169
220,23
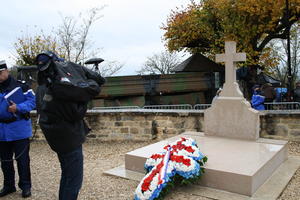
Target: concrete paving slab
x,y
120,171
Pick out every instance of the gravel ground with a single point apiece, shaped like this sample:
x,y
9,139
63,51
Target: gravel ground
x,y
99,157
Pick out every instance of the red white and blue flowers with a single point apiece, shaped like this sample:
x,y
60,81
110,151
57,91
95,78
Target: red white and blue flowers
x,y
181,158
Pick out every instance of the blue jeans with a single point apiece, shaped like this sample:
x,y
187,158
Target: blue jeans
x,y
21,150
71,174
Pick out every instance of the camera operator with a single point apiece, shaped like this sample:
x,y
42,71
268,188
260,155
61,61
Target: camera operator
x,y
62,122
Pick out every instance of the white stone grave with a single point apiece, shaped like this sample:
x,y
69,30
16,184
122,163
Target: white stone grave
x,y
238,160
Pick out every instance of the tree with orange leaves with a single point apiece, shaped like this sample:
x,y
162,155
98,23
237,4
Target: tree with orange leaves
x,y
202,27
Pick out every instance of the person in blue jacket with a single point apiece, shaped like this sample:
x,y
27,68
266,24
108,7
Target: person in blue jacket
x,y
15,131
257,100
281,94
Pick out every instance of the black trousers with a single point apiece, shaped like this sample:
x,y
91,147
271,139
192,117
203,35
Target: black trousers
x,y
21,150
71,174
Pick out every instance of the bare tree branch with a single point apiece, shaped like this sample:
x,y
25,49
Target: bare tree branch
x,y
280,71
74,32
162,63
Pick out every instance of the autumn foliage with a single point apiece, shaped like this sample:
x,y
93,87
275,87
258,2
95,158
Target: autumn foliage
x,y
28,47
203,27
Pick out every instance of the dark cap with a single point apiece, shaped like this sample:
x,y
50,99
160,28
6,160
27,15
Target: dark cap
x,y
255,86
44,59
3,65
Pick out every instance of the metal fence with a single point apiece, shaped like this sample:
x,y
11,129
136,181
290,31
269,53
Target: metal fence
x,y
116,108
172,107
201,106
280,106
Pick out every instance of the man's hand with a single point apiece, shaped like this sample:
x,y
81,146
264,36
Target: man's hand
x,y
13,107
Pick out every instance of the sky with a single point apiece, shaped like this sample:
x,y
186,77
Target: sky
x,y
128,32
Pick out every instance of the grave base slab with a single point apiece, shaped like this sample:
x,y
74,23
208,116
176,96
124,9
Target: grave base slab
x,y
237,166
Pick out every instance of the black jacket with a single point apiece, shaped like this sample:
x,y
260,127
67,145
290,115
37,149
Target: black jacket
x,y
297,94
62,121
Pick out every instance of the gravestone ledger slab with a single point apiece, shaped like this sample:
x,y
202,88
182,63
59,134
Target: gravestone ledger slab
x,y
239,166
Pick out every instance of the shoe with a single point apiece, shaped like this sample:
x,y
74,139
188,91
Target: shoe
x,y
5,191
26,193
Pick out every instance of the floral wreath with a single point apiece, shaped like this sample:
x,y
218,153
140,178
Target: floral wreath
x,y
181,162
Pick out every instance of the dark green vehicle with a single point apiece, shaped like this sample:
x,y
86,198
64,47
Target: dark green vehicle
x,y
168,89
186,86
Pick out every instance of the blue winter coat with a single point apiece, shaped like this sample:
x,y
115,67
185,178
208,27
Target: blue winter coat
x,y
257,101
280,93
21,128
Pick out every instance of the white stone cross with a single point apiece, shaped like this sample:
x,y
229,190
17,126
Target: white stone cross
x,y
230,88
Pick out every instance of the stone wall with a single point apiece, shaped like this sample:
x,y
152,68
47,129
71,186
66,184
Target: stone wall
x,y
280,125
145,125
142,125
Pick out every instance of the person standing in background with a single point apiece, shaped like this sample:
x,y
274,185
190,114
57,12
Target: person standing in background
x,y
15,131
268,92
257,101
297,92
